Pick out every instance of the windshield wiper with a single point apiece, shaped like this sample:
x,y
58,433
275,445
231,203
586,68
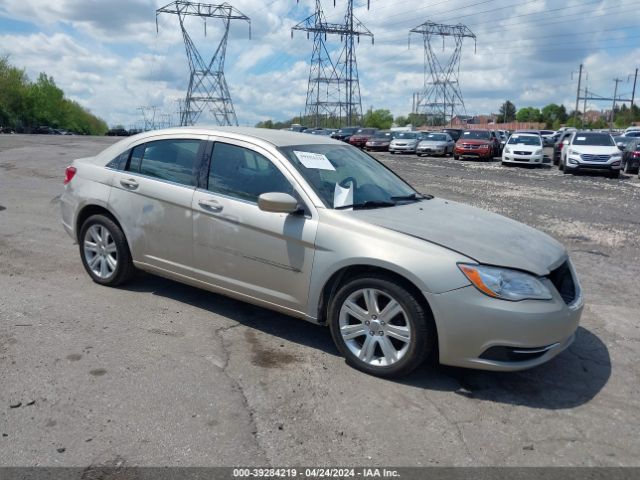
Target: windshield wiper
x,y
413,196
367,204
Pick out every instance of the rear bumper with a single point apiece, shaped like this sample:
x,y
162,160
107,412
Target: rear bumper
x,y
476,331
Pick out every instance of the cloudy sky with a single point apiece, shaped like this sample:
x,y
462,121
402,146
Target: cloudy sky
x,y
107,55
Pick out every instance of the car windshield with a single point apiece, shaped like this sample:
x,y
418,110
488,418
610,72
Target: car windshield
x,y
366,131
343,176
593,139
525,140
382,136
347,131
406,135
476,135
436,137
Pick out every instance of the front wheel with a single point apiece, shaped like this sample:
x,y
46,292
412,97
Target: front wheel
x,y
104,251
380,327
456,157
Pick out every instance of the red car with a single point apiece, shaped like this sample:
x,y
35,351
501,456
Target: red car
x,y
362,136
475,143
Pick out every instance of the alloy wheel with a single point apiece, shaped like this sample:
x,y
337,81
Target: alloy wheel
x,y
374,327
100,251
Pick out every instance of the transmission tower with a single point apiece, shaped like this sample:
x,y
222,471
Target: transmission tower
x,y
441,97
334,88
207,85
148,117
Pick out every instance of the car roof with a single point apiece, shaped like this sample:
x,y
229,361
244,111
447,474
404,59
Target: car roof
x,y
278,138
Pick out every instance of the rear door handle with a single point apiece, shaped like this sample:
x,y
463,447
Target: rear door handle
x,y
129,183
209,204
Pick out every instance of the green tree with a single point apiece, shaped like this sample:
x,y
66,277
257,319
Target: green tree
x,y
529,114
552,114
507,112
401,121
378,119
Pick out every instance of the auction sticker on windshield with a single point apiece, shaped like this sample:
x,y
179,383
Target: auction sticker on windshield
x,y
314,160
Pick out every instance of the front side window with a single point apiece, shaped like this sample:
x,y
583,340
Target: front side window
x,y
242,173
171,160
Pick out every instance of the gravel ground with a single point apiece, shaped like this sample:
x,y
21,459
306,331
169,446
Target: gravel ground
x,y
158,373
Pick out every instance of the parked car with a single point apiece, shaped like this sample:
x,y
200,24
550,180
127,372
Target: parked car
x,y
591,151
632,133
44,130
454,133
475,143
436,143
319,230
118,132
326,132
405,142
497,144
296,127
379,141
631,156
361,137
559,145
345,133
523,148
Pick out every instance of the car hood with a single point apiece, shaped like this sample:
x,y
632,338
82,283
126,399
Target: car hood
x,y
486,237
437,143
404,140
524,148
474,141
595,150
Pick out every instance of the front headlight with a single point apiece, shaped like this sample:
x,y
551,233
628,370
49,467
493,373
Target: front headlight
x,y
616,156
507,150
504,283
538,152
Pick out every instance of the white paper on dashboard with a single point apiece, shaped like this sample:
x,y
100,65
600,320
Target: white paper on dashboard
x,y
343,196
581,139
314,160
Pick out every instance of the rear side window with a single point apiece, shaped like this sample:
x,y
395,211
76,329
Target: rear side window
x,y
171,160
242,173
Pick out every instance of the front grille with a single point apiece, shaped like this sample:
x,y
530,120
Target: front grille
x,y
562,279
470,147
588,157
522,153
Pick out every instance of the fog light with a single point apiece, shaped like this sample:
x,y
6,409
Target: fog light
x,y
616,164
573,162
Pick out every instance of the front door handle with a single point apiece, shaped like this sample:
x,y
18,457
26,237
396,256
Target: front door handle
x,y
210,204
129,183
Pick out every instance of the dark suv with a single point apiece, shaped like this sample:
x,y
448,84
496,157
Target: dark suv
x,y
454,133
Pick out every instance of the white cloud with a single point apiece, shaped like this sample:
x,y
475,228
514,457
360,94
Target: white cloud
x,y
108,56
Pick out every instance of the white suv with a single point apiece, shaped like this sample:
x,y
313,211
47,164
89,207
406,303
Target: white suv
x,y
591,151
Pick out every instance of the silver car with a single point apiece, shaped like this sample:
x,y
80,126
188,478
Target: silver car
x,y
435,143
319,230
405,142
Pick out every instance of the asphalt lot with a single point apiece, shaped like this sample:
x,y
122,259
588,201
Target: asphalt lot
x,y
158,373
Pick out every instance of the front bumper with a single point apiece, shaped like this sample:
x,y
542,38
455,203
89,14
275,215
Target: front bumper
x,y
402,148
470,323
611,165
530,159
463,152
434,150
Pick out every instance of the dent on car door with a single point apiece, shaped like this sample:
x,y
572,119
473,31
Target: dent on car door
x,y
264,255
152,198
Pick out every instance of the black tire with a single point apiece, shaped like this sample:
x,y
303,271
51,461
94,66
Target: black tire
x,y
423,339
566,171
614,174
124,270
560,165
456,157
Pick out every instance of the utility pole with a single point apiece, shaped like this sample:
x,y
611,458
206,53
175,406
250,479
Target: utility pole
x,y
613,107
575,112
334,87
441,88
633,95
207,84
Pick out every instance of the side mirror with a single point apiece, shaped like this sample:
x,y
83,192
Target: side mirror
x,y
277,202
620,145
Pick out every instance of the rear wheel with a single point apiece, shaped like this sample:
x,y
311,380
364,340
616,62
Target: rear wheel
x,y
380,327
104,251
